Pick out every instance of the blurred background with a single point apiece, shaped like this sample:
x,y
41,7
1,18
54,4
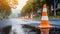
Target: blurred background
x,y
11,12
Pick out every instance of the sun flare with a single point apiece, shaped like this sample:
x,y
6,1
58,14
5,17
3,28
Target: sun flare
x,y
20,5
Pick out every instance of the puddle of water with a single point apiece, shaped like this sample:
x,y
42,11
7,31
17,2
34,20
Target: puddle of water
x,y
27,29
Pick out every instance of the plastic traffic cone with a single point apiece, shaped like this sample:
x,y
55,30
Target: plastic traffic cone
x,y
44,25
44,22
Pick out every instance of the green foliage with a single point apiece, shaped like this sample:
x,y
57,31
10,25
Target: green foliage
x,y
41,0
5,9
32,6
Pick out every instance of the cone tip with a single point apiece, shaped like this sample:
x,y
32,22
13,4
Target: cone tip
x,y
44,6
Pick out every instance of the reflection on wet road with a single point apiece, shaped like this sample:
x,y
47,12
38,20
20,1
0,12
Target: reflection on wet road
x,y
18,26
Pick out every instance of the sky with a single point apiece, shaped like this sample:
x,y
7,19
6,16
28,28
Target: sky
x,y
20,5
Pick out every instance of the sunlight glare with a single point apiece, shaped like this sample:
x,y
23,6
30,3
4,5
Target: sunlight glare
x,y
20,5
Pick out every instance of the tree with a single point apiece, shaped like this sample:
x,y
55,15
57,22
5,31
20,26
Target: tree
x,y
31,6
35,5
5,9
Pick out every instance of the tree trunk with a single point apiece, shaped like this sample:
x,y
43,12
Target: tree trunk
x,y
50,12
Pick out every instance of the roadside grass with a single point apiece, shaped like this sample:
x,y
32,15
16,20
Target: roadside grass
x,y
48,16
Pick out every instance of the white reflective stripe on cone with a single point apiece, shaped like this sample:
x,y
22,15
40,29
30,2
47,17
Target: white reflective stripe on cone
x,y
44,9
44,17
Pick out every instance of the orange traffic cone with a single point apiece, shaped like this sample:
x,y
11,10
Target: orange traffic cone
x,y
44,25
